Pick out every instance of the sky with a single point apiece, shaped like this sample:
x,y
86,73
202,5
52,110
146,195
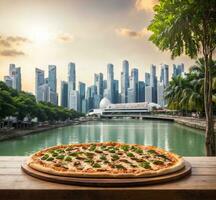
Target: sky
x,y
91,33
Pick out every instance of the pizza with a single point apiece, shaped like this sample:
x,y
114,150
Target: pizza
x,y
107,159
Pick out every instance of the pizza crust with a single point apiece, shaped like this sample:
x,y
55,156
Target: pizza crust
x,y
98,174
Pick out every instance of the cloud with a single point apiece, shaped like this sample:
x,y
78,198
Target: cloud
x,y
11,53
146,5
9,45
8,41
131,33
65,37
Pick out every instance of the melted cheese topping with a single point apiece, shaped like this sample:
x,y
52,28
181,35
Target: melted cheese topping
x,y
99,158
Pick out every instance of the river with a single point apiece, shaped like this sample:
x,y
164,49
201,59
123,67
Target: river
x,y
168,135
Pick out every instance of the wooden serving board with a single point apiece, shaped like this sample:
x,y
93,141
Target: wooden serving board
x,y
108,182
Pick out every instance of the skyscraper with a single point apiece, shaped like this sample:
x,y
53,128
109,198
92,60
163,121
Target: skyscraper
x,y
84,106
82,88
131,95
64,94
88,99
52,82
160,94
124,81
110,77
164,77
133,89
15,76
147,79
153,83
148,93
74,100
71,81
18,84
141,91
116,91
43,93
99,82
71,76
39,80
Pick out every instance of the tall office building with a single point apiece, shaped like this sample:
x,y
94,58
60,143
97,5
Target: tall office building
x,y
133,89
53,98
147,79
124,81
43,93
160,94
153,83
99,82
15,76
74,100
82,88
110,77
17,83
141,91
164,77
131,95
64,94
71,82
84,106
148,93
52,82
39,81
116,91
88,99
71,76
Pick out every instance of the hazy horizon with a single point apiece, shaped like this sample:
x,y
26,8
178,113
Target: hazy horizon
x,y
90,33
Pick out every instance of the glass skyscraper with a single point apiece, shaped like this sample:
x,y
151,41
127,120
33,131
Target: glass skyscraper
x,y
39,80
110,77
64,94
124,81
164,77
14,78
153,83
71,83
52,82
82,88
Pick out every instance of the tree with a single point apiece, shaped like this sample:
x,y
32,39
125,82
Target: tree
x,y
25,105
189,27
7,107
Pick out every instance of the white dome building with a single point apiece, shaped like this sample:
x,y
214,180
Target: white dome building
x,y
104,103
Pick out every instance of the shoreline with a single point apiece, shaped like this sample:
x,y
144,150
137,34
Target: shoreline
x,y
15,133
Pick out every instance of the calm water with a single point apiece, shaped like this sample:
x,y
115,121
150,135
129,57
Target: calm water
x,y
168,135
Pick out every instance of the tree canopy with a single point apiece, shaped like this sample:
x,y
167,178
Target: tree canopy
x,y
23,104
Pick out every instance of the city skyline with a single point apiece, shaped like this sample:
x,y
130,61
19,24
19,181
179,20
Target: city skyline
x,y
76,95
57,32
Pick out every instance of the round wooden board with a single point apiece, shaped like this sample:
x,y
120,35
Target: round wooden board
x,y
108,182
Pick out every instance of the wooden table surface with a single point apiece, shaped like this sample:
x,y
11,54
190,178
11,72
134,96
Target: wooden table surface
x,y
15,184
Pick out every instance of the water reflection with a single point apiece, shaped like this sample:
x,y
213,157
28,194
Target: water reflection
x,y
168,135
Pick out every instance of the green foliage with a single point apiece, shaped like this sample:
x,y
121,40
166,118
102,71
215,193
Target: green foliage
x,y
182,26
22,104
186,93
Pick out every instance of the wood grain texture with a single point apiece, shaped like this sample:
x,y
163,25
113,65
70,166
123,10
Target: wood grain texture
x,y
15,184
108,182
